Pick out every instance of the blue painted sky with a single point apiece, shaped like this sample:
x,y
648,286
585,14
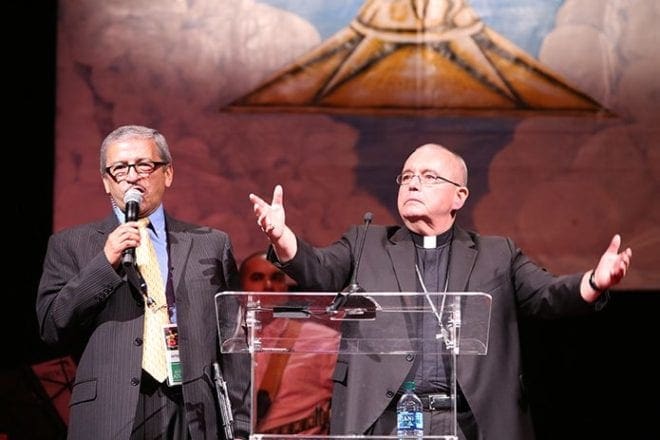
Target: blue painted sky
x,y
523,22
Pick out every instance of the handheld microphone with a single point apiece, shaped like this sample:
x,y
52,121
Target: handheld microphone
x,y
353,287
132,200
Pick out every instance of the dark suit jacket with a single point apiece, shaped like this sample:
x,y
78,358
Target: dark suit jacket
x,y
83,300
492,384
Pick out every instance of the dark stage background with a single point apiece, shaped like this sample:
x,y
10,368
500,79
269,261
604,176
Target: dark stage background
x,y
592,378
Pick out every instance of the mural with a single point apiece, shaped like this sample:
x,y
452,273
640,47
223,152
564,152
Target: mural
x,y
554,105
417,56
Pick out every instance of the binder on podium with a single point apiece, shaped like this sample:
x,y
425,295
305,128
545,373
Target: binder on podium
x,y
296,338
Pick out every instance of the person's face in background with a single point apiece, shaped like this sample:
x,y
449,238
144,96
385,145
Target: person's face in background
x,y
260,275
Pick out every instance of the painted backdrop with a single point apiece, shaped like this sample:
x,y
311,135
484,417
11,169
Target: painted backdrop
x,y
554,105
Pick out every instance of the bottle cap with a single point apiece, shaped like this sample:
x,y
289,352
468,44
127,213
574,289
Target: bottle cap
x,y
409,385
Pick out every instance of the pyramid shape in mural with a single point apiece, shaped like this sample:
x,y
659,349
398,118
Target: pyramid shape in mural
x,y
410,56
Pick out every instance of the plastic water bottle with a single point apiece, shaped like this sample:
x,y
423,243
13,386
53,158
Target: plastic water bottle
x,y
409,416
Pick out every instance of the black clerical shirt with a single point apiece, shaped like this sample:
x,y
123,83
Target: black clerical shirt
x,y
432,259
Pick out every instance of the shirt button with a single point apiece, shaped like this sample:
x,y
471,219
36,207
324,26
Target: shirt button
x,y
410,357
137,342
135,381
389,394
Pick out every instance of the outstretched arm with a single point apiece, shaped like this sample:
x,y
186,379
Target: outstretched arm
x,y
611,268
271,219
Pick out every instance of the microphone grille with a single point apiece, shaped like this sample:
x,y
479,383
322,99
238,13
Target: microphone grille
x,y
133,195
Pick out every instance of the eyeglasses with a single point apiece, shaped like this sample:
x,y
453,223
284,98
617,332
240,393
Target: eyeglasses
x,y
426,179
119,171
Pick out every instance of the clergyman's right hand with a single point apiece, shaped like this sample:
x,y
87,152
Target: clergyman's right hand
x,y
271,219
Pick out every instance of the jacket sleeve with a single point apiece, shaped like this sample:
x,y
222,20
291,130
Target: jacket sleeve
x,y
72,289
322,269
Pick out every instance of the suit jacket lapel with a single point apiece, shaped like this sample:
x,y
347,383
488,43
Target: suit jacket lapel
x,y
179,248
463,256
107,225
461,265
103,228
402,251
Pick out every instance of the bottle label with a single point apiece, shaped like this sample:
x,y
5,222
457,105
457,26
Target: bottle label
x,y
410,421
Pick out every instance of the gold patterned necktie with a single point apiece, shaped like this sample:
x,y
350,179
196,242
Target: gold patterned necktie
x,y
155,314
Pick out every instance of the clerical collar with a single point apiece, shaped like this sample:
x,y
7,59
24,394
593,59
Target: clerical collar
x,y
432,241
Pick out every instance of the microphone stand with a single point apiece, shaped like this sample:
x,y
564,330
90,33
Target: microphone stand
x,y
360,305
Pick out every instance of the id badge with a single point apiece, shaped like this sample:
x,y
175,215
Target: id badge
x,y
171,341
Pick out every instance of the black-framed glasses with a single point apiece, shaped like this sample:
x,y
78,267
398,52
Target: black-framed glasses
x,y
426,179
119,171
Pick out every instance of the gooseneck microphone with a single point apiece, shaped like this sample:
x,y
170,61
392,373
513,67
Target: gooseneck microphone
x,y
132,200
353,287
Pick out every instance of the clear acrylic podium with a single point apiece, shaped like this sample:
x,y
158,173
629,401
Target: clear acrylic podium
x,y
316,328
